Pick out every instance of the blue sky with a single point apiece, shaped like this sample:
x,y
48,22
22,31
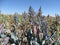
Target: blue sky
x,y
48,6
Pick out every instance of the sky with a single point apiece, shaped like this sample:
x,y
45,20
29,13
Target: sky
x,y
51,7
